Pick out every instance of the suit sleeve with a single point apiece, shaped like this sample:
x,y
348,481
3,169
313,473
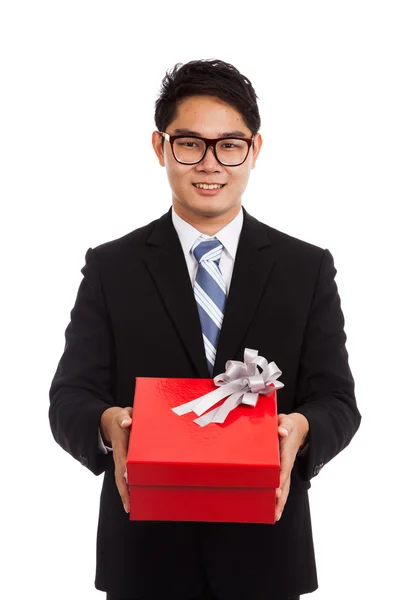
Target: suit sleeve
x,y
82,386
325,385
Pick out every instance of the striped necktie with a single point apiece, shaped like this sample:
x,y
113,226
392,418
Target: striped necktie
x,y
210,294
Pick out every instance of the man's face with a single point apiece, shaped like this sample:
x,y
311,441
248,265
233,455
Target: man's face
x,y
210,117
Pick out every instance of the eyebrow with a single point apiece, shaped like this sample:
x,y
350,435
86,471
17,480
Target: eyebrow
x,y
225,134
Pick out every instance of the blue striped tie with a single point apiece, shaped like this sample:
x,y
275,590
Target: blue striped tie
x,y
210,294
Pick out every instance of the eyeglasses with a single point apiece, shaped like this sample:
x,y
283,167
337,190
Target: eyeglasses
x,y
190,150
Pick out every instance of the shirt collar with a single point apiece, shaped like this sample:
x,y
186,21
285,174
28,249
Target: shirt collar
x,y
228,235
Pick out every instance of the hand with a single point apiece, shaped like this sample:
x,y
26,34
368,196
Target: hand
x,y
293,430
115,427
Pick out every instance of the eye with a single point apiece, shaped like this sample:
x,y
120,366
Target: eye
x,y
187,144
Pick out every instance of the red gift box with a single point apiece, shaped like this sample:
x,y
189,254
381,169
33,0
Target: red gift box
x,y
179,471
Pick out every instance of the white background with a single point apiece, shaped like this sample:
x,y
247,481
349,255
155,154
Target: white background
x,y
78,86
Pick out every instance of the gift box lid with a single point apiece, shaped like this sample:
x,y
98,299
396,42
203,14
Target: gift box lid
x,y
167,449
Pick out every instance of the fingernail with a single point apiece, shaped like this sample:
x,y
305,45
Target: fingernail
x,y
284,429
278,492
279,516
126,508
126,476
125,421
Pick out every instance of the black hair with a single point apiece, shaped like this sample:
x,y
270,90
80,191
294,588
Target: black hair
x,y
208,77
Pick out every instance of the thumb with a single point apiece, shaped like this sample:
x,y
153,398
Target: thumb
x,y
126,417
283,426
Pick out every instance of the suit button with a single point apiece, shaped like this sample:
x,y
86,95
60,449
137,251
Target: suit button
x,y
83,460
318,468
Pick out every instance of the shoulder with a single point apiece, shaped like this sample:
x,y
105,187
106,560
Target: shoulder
x,y
125,247
284,244
297,259
133,238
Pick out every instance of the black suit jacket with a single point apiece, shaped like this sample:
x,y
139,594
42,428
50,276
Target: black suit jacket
x,y
135,315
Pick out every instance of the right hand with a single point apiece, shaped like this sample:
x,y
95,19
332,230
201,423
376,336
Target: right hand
x,y
116,423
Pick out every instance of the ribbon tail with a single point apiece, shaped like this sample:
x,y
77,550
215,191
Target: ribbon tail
x,y
219,414
229,404
207,418
203,403
183,409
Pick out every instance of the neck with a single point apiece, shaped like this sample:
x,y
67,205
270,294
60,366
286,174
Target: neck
x,y
207,224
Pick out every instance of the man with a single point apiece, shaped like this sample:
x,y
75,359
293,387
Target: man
x,y
145,308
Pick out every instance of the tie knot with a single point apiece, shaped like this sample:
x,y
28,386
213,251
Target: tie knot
x,y
207,250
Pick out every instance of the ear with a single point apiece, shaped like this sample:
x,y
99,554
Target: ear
x,y
157,145
257,143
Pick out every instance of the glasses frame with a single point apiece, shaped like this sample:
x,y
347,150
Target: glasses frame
x,y
208,142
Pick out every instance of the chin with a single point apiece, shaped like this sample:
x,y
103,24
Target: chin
x,y
210,210
211,206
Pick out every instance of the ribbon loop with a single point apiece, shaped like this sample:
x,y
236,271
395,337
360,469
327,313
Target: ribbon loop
x,y
256,383
241,383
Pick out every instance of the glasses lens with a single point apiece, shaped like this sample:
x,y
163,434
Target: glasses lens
x,y
231,151
188,150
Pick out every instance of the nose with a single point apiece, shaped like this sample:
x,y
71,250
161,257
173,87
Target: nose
x,y
209,160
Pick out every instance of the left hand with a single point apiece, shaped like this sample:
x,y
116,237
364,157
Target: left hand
x,y
292,429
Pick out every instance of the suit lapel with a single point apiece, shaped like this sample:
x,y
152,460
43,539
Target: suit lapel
x,y
167,266
253,266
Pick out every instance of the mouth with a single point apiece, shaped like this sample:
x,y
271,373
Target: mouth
x,y
205,185
211,189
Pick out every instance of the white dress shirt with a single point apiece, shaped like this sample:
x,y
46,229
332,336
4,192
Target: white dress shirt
x,y
228,236
187,234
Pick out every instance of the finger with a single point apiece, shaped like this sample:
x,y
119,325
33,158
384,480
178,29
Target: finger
x,y
120,475
120,441
287,458
122,487
285,474
280,504
120,448
287,455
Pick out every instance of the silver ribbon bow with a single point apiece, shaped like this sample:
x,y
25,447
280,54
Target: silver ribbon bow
x,y
242,382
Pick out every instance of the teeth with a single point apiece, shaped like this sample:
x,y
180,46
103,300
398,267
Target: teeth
x,y
204,186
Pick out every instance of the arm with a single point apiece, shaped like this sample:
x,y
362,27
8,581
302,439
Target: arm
x,y
326,416
81,389
325,386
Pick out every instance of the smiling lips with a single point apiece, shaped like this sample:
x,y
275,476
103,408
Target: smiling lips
x,y
209,186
